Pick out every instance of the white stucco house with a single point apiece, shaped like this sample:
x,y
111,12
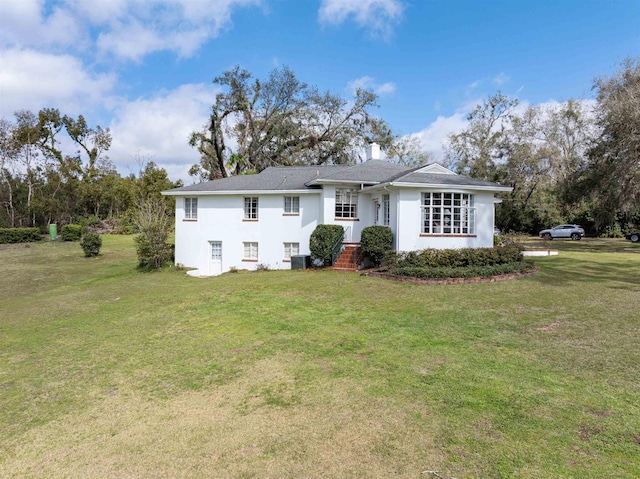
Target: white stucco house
x,y
267,218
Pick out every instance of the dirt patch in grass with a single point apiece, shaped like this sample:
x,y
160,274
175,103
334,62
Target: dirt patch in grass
x,y
549,328
237,430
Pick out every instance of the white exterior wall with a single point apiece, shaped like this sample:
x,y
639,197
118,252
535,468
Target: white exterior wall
x,y
221,218
409,219
365,208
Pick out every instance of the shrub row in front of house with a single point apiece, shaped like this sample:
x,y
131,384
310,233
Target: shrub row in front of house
x,y
458,263
463,272
455,258
19,235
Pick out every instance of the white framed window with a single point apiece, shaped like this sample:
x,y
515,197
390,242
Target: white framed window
x,y
448,213
291,205
216,250
385,210
250,251
291,249
191,208
346,203
251,208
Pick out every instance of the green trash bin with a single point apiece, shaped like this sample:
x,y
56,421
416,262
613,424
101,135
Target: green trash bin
x,y
53,232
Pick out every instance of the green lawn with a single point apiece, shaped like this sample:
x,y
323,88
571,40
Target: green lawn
x,y
108,372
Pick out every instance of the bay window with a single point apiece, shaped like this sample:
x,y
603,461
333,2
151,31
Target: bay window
x,y
448,214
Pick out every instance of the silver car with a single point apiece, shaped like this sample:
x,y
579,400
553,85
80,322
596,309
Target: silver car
x,y
574,232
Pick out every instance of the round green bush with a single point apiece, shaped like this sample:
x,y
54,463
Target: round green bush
x,y
375,241
71,232
91,244
322,240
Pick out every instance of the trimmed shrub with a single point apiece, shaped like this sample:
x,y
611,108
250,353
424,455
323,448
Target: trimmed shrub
x,y
455,258
19,235
463,272
91,244
375,242
71,232
322,240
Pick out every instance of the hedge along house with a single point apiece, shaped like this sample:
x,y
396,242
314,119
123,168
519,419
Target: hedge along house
x,y
243,221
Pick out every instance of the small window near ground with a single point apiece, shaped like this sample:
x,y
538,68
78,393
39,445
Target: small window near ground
x,y
191,208
291,205
251,208
291,249
250,250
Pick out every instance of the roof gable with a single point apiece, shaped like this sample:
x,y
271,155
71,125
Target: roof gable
x,y
435,168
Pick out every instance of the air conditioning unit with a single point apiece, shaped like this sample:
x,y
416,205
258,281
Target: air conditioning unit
x,y
300,262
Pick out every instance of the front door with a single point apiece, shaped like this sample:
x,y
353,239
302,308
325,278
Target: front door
x,y
215,258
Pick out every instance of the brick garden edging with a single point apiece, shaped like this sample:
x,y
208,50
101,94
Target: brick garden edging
x,y
476,280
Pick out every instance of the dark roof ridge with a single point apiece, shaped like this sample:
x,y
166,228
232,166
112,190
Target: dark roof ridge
x,y
406,172
275,167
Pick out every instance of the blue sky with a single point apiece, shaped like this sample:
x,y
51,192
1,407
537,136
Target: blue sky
x,y
144,67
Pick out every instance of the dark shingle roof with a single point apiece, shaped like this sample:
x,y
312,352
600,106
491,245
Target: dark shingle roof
x,y
372,171
273,178
286,178
440,179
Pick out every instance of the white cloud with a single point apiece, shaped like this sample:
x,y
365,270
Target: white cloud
x,y
369,83
158,129
377,16
131,29
434,137
500,79
22,24
33,80
127,29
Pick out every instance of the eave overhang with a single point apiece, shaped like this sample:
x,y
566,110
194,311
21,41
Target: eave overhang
x,y
431,186
240,192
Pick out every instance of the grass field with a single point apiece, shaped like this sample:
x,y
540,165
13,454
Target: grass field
x,y
108,372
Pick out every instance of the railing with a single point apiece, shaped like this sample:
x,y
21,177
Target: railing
x,y
339,245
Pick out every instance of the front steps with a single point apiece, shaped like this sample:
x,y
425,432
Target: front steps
x,y
350,258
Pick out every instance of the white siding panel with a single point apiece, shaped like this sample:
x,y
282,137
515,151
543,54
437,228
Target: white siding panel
x,y
220,218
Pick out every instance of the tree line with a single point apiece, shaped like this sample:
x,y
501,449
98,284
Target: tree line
x,y
571,162
54,169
